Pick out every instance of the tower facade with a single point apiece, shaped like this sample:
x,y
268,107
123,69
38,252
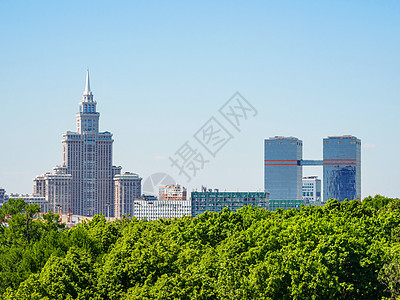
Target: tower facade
x,y
283,171
87,156
128,187
342,167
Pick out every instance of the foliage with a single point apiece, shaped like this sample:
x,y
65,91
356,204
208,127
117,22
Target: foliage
x,y
343,250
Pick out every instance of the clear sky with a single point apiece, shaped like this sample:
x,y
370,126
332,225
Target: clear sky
x,y
160,69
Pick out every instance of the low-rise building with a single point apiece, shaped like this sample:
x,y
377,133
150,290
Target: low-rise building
x,y
150,209
172,192
33,199
214,200
311,190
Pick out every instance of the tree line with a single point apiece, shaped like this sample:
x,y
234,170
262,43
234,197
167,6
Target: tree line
x,y
342,250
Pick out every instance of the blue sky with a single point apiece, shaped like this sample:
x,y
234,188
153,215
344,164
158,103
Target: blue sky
x,y
160,70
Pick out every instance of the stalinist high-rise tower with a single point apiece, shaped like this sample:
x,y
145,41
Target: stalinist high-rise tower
x,y
87,173
87,154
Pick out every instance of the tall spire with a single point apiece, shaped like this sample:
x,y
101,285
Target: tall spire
x,y
87,88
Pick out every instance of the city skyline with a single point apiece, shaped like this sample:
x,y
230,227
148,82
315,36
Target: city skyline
x,y
311,70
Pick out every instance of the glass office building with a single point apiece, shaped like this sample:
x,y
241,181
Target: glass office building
x,y
209,200
342,168
283,171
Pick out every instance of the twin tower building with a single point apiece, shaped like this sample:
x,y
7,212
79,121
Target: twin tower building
x,y
283,169
87,183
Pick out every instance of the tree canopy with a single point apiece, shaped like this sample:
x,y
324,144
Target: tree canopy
x,y
343,250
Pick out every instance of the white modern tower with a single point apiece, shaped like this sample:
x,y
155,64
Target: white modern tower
x,y
87,155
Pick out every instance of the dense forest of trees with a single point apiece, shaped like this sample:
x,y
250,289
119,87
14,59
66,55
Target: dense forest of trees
x,y
347,250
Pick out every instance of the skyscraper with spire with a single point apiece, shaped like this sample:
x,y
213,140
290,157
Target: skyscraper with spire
x,y
86,184
87,155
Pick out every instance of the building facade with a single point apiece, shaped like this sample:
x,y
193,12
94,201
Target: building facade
x,y
87,155
33,199
283,171
283,165
85,181
311,190
55,188
148,209
172,192
127,187
209,200
2,196
342,168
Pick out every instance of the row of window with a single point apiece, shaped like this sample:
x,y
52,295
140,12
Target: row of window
x,y
89,108
281,143
340,142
